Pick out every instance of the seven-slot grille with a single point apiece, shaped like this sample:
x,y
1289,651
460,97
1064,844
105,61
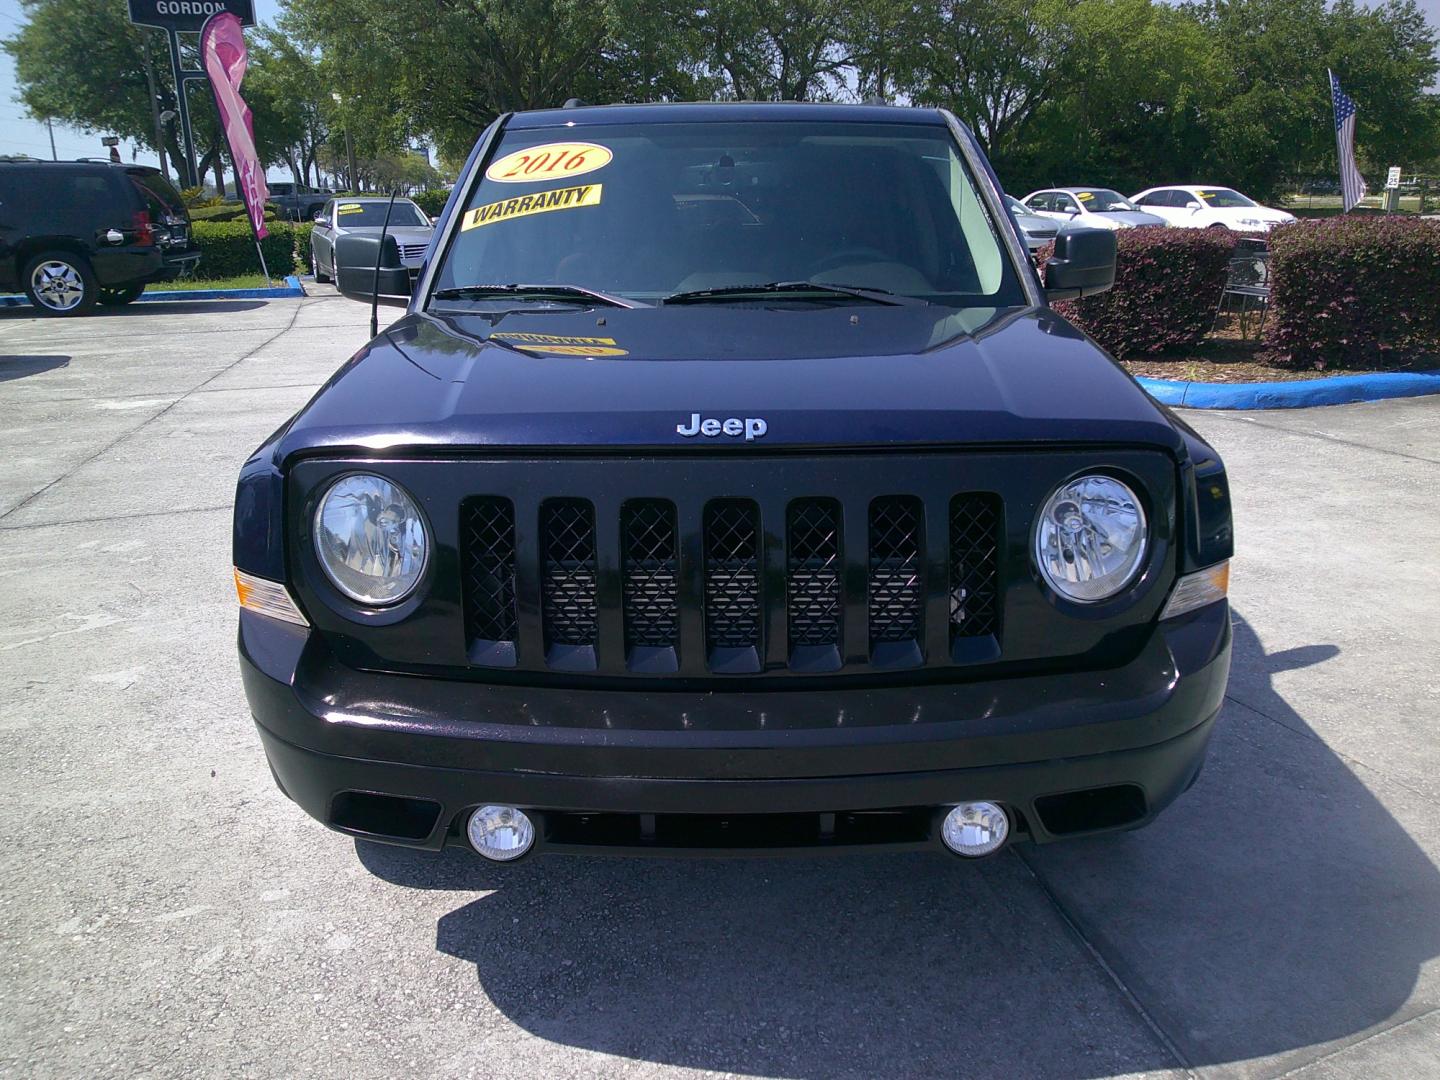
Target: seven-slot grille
x,y
412,251
741,575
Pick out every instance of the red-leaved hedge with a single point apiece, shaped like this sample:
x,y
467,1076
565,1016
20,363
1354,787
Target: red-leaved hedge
x,y
1354,291
1167,290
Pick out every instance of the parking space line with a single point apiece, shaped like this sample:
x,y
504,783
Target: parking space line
x,y
1324,437
147,422
1136,1005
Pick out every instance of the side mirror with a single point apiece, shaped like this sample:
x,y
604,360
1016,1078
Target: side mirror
x,y
355,276
1083,264
433,220
320,219
1193,206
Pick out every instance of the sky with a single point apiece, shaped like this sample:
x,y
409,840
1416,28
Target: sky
x,y
19,135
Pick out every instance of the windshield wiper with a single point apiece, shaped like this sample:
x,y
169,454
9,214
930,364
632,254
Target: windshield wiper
x,y
730,292
534,292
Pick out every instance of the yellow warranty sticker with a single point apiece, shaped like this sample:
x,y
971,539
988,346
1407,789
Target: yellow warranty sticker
x,y
563,345
540,203
1085,196
349,208
552,161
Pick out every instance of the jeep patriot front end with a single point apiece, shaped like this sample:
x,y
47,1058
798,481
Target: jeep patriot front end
x,y
728,486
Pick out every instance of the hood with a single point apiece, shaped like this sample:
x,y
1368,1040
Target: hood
x,y
813,377
404,234
1132,217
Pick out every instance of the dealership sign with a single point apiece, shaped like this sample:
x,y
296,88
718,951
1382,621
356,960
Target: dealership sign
x,y
188,14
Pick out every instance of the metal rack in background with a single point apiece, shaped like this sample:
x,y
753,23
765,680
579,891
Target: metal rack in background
x,y
1246,296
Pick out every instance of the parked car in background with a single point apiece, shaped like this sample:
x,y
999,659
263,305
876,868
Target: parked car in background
x,y
1098,208
296,202
74,234
1038,231
408,224
1190,206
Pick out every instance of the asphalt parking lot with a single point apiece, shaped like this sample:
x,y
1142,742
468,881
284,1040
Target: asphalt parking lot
x,y
167,912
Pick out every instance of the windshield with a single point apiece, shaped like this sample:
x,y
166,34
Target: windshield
x,y
647,212
361,215
160,196
1222,198
1104,201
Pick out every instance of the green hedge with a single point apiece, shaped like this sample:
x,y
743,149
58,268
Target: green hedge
x,y
433,201
1355,291
1167,290
227,248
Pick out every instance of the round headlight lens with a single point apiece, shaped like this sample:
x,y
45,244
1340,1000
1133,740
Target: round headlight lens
x,y
371,539
1091,539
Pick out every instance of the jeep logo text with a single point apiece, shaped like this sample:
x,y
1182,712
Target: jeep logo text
x,y
752,427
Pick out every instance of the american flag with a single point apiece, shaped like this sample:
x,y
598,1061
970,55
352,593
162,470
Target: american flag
x,y
1352,184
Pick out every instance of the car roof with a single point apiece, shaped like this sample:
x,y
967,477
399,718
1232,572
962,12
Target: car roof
x,y
681,112
81,165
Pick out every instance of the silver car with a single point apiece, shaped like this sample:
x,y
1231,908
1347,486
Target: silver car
x,y
1098,208
408,224
1036,230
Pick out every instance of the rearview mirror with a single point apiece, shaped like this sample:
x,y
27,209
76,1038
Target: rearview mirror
x,y
1083,264
355,274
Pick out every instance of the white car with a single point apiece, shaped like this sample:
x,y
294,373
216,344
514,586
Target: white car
x,y
1200,206
1097,208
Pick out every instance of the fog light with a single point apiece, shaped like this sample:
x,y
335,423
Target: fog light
x,y
973,829
500,833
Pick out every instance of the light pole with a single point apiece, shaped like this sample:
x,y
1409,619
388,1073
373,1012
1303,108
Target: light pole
x,y
349,148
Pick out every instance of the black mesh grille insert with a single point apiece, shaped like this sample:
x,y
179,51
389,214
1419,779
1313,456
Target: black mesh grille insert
x,y
732,574
896,586
974,565
487,528
651,562
813,571
567,584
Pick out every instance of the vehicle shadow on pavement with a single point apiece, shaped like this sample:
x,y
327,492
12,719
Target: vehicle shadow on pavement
x,y
18,367
1275,908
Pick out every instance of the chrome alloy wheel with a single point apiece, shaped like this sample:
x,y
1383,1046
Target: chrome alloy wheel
x,y
57,285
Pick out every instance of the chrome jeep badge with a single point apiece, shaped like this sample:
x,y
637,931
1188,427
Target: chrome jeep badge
x,y
752,427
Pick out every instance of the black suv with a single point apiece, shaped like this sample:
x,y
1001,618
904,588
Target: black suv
x,y
77,233
730,484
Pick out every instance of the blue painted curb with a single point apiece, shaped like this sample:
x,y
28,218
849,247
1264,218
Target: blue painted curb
x,y
288,291
1299,394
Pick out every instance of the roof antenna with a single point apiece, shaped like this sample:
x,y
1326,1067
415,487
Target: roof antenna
x,y
573,103
380,254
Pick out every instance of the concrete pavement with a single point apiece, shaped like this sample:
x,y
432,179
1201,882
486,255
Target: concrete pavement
x,y
167,912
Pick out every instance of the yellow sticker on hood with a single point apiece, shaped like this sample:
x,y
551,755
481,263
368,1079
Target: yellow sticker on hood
x,y
552,161
563,345
540,203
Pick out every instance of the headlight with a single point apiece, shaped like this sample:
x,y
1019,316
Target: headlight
x,y
371,539
1091,539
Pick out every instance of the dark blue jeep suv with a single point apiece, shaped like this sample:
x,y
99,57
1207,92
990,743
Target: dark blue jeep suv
x,y
730,486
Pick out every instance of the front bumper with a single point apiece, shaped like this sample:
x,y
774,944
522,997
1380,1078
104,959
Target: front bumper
x,y
404,759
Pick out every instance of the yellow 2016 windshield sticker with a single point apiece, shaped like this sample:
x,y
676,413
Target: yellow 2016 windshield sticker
x,y
541,202
349,208
552,161
563,345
